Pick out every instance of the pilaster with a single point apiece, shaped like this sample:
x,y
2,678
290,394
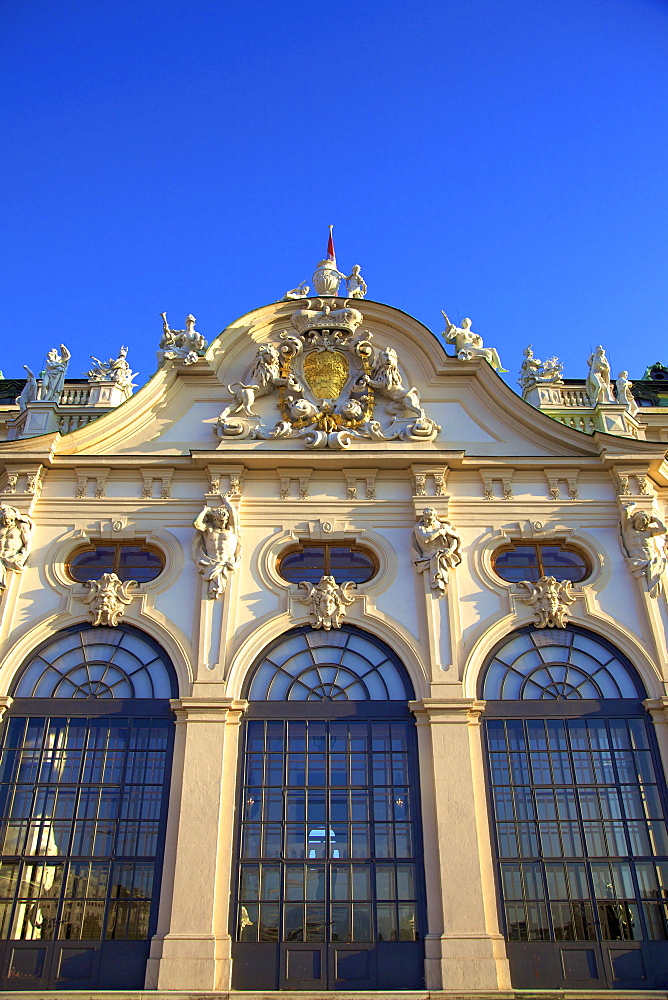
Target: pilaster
x,y
463,946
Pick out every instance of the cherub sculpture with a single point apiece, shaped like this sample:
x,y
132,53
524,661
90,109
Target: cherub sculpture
x,y
355,284
300,292
436,547
15,538
469,344
327,601
217,546
644,542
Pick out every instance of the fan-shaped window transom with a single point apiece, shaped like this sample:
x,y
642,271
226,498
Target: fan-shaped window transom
x,y
338,665
557,664
97,663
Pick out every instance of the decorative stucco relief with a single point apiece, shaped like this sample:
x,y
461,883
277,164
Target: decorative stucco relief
x,y
329,380
108,598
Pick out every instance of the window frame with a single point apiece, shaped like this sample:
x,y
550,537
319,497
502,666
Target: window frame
x,y
117,545
327,546
536,544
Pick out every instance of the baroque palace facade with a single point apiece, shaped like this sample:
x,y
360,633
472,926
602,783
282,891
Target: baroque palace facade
x,y
329,662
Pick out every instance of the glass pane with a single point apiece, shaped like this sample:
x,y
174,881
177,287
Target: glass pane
x,y
307,564
346,563
562,563
136,563
92,564
518,563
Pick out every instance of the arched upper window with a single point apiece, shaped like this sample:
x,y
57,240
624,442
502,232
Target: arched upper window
x,y
532,560
97,663
341,665
343,561
560,664
128,560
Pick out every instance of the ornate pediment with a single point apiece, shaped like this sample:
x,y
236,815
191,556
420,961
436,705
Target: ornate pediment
x,y
332,385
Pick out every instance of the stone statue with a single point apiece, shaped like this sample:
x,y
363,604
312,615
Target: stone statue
x,y
355,284
114,370
182,344
551,599
109,597
327,277
599,388
218,546
386,378
624,394
644,541
552,372
437,548
53,378
300,292
29,392
469,344
15,537
530,370
327,601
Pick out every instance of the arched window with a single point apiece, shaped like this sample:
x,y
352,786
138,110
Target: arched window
x,y
84,771
329,857
532,560
310,561
580,835
128,560
339,665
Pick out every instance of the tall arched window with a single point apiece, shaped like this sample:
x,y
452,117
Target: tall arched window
x,y
578,799
86,753
329,891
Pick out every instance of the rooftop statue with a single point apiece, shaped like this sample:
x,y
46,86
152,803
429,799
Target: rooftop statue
x,y
599,388
184,345
469,344
53,378
386,378
114,370
644,541
355,284
300,292
624,395
29,392
536,372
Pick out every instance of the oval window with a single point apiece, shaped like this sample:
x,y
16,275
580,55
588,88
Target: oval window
x,y
532,560
128,561
344,562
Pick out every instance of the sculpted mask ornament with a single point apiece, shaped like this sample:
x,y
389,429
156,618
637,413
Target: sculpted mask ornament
x,y
644,543
327,377
469,344
15,538
217,546
551,599
108,598
327,601
437,548
184,345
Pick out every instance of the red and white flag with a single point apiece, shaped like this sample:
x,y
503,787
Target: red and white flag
x,y
330,245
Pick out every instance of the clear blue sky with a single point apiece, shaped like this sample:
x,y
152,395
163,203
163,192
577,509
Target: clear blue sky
x,y
502,159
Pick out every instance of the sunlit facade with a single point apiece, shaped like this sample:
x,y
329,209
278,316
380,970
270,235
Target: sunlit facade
x,y
422,775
